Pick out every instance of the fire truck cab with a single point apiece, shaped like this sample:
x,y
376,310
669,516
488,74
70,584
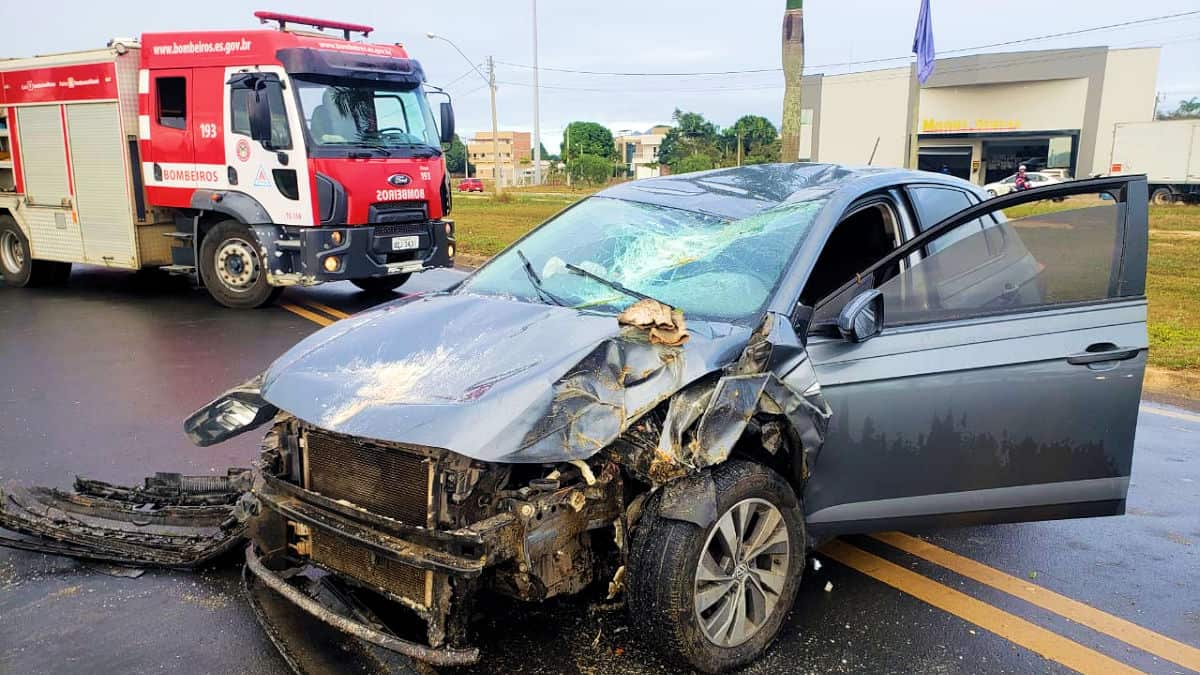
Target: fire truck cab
x,y
254,160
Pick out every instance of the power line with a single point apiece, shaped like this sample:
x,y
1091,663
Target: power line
x,y
865,76
460,77
1082,31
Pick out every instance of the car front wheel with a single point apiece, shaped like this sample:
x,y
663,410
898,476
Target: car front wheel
x,y
714,598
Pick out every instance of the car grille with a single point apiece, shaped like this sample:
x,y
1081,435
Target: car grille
x,y
385,481
342,555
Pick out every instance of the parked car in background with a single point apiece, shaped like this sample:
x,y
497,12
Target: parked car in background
x,y
470,185
1036,179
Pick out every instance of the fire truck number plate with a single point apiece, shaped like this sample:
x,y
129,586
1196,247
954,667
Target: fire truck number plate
x,y
405,243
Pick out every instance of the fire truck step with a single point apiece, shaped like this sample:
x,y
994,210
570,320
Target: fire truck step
x,y
179,269
184,236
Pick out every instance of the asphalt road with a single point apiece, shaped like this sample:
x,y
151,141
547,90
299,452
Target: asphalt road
x,y
96,378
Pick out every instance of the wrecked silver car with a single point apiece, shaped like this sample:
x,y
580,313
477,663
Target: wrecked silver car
x,y
680,386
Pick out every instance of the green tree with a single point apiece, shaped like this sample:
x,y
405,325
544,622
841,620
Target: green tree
x,y
691,135
760,140
696,162
589,168
545,153
588,138
456,156
1188,109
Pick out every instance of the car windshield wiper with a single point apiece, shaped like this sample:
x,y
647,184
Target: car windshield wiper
x,y
616,286
536,281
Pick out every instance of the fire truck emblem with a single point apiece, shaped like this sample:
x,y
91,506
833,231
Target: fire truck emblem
x,y
399,179
243,150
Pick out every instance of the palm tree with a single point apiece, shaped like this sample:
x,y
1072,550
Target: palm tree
x,y
793,70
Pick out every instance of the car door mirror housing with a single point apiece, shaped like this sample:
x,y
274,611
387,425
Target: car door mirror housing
x,y
447,114
862,318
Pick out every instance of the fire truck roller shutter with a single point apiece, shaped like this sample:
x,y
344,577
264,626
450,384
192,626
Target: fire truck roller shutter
x,y
102,195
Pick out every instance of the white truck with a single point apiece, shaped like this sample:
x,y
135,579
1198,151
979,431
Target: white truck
x,y
1167,151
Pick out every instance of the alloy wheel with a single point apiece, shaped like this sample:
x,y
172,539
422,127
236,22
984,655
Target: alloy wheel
x,y
742,571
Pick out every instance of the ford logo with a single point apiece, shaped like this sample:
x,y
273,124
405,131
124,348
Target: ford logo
x,y
399,179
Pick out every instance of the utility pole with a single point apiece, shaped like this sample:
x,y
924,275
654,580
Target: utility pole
x,y
739,140
490,79
567,155
537,127
497,173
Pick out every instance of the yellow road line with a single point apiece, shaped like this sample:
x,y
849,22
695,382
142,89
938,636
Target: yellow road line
x,y
1008,626
1125,631
311,316
1187,417
335,313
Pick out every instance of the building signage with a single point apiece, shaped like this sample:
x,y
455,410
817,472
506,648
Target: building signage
x,y
935,126
83,82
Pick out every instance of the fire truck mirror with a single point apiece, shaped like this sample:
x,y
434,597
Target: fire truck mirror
x,y
447,111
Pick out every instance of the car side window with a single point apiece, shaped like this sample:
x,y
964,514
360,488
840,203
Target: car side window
x,y
1037,254
935,204
866,233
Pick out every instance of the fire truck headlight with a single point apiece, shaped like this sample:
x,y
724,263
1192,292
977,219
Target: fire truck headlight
x,y
449,229
332,263
336,237
450,250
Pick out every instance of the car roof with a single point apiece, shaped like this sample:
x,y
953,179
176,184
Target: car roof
x,y
738,192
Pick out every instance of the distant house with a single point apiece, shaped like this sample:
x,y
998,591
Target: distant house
x,y
639,150
514,155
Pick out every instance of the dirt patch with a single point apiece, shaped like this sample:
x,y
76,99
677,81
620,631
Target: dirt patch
x,y
65,592
1176,387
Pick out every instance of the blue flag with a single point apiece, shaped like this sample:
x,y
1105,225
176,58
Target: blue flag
x,y
923,43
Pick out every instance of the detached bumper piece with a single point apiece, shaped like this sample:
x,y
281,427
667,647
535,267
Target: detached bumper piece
x,y
170,521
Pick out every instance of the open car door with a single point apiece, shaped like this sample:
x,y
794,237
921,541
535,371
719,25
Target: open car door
x,y
1005,381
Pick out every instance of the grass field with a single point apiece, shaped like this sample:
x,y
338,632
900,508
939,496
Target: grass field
x,y
486,225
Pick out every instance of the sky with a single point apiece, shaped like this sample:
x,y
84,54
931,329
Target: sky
x,y
646,36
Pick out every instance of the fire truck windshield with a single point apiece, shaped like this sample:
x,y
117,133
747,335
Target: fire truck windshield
x,y
344,117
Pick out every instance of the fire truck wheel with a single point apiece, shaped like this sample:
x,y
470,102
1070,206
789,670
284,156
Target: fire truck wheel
x,y
381,284
18,268
231,267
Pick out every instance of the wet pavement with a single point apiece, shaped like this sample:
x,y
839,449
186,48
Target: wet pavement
x,y
96,378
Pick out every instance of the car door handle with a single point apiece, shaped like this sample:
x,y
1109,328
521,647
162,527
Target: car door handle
x,y
1100,352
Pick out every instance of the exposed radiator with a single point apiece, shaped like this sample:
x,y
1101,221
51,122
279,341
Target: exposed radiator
x,y
385,481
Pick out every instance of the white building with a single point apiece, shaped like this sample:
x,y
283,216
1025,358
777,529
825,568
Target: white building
x,y
979,117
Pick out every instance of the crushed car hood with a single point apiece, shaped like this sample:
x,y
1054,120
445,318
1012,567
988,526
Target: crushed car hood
x,y
491,378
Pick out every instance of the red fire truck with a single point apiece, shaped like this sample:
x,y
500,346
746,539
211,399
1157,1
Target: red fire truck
x,y
252,159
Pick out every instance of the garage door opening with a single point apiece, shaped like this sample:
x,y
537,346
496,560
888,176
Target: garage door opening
x,y
953,161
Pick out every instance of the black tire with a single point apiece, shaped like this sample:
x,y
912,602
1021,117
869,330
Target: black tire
x,y
238,280
1162,196
380,285
17,266
664,562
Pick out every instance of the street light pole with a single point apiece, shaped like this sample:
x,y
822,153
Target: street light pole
x,y
490,79
537,127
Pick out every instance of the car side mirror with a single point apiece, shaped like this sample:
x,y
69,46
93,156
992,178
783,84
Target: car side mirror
x,y
447,114
862,318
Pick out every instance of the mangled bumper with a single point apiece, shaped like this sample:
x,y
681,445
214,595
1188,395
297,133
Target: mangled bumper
x,y
444,656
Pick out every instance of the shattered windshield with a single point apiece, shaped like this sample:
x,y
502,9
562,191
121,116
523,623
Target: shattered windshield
x,y
709,267
355,114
